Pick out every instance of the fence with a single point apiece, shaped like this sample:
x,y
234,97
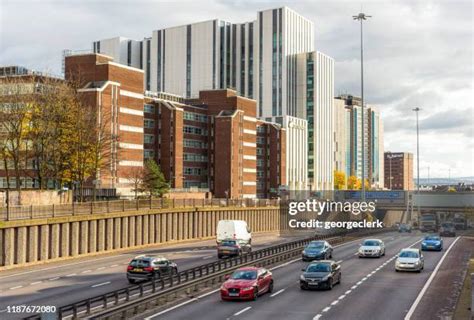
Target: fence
x,y
84,208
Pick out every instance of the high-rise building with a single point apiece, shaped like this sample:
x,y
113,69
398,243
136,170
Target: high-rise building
x,y
258,59
341,131
399,171
373,141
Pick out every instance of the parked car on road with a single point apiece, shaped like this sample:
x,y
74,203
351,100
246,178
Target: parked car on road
x,y
317,250
247,284
321,274
143,268
409,259
432,242
371,248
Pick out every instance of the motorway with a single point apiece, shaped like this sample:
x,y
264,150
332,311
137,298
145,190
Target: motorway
x,y
62,283
370,289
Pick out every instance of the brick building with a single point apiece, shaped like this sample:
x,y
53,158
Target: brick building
x,y
117,93
215,142
399,171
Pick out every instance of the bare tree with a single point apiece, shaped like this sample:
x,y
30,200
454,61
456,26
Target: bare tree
x,y
135,177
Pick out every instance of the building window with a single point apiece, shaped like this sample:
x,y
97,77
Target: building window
x,y
250,64
195,130
148,154
188,61
149,108
195,117
149,138
149,123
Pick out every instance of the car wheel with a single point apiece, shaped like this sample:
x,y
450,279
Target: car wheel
x,y
175,270
302,287
255,294
330,255
131,281
340,277
397,270
330,284
270,287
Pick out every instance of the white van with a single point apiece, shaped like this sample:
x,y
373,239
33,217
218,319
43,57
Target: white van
x,y
233,238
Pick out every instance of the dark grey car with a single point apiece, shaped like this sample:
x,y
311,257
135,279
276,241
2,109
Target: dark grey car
x,y
143,268
321,274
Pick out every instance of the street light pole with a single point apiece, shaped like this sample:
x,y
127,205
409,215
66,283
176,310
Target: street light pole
x,y
361,17
417,158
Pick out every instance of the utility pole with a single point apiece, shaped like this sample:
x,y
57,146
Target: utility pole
x,y
361,17
417,158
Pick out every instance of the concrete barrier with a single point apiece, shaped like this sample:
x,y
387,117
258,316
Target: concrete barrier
x,y
36,241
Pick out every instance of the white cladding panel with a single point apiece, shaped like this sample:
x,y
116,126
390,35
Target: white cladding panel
x,y
175,66
201,57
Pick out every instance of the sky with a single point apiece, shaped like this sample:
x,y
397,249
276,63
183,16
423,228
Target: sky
x,y
416,54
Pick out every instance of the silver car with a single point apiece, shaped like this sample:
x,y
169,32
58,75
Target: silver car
x,y
410,259
371,248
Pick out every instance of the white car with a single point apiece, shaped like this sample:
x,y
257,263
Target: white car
x,y
371,248
409,259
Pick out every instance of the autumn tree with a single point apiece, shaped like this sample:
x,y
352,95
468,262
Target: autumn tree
x,y
339,180
353,183
135,177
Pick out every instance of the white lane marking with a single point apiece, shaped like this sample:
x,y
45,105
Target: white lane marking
x,y
100,284
427,284
37,282
52,279
347,292
86,271
341,297
326,309
334,302
206,257
114,265
316,317
2,311
242,311
72,275
339,262
172,308
354,286
208,293
101,268
277,293
17,287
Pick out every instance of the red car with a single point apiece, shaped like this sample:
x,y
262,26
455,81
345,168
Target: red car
x,y
247,284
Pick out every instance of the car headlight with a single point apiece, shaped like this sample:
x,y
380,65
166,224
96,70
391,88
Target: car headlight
x,y
397,262
223,288
360,250
302,278
303,252
247,289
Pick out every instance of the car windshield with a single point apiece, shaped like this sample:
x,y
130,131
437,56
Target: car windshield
x,y
140,263
228,243
371,243
244,275
408,254
432,238
315,245
320,267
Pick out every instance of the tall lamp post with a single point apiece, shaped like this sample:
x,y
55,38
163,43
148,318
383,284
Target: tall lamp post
x,y
361,17
417,157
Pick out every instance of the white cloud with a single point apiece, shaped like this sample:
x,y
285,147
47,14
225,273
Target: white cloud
x,y
417,53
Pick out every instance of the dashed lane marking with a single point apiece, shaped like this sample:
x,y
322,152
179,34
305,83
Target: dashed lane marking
x,y
242,311
277,293
100,284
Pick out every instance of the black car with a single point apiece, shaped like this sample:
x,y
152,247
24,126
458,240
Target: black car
x,y
317,250
322,274
231,248
447,230
143,268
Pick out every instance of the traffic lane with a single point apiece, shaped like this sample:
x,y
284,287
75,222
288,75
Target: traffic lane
x,y
387,294
205,252
305,304
74,285
439,300
286,278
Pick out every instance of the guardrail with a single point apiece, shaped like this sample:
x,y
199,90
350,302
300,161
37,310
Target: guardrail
x,y
135,297
88,208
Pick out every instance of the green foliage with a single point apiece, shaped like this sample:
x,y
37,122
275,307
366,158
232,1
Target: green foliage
x,y
154,182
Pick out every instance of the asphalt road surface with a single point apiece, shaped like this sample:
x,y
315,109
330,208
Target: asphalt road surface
x,y
61,283
370,289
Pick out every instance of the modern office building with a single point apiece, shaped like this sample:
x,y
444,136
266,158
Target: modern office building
x,y
258,59
373,140
399,171
341,136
